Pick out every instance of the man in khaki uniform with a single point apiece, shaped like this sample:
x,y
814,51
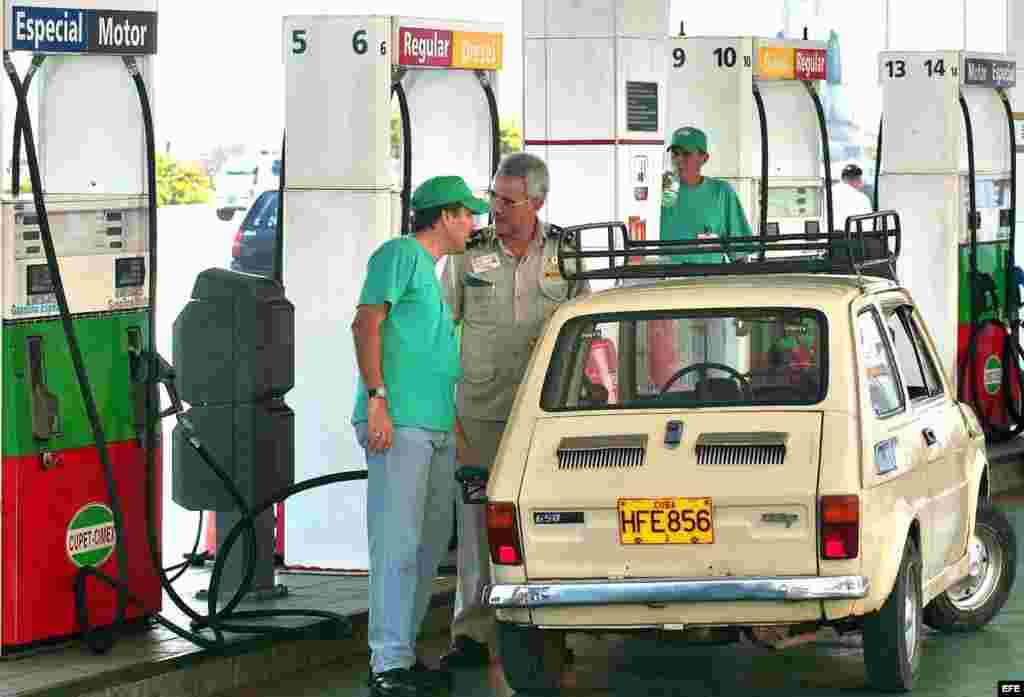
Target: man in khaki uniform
x,y
503,289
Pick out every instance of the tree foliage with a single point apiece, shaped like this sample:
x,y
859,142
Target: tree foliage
x,y
180,182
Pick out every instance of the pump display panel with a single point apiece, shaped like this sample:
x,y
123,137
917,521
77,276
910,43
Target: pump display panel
x,y
129,272
39,281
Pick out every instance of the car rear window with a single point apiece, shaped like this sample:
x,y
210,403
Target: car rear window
x,y
263,212
688,360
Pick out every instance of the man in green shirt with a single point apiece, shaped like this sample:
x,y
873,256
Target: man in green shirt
x,y
704,207
404,415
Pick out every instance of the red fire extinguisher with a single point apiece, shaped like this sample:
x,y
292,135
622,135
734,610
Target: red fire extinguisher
x,y
602,367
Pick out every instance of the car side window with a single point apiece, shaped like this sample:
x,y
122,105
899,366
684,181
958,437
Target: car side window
x,y
915,362
878,365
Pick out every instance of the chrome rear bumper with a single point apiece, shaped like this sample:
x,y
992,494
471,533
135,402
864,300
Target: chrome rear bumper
x,y
644,592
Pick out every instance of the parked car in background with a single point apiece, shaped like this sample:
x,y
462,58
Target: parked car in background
x,y
253,248
241,179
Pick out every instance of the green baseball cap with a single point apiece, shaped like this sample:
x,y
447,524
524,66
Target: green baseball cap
x,y
689,139
440,191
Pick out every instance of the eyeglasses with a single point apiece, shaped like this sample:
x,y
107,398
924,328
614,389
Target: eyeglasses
x,y
496,198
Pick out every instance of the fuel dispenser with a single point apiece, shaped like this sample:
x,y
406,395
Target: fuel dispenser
x,y
948,161
75,483
757,100
342,75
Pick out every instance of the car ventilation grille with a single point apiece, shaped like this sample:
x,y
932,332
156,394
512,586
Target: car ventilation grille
x,y
602,452
741,448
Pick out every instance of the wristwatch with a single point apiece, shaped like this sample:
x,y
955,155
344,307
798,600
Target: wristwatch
x,y
380,392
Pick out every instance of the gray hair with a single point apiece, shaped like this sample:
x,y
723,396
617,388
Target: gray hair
x,y
529,167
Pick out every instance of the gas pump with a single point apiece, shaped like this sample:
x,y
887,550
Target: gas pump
x,y
76,484
342,74
948,161
757,101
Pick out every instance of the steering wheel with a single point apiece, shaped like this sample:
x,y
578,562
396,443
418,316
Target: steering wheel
x,y
733,373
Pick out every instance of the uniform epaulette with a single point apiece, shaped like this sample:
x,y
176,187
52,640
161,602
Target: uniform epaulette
x,y
554,232
480,237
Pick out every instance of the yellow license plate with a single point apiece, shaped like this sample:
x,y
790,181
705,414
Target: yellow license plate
x,y
666,521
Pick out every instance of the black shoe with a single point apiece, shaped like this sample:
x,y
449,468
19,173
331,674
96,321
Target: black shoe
x,y
400,682
424,675
465,653
431,678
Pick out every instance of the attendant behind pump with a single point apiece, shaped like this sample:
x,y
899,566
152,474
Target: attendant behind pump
x,y
704,207
849,197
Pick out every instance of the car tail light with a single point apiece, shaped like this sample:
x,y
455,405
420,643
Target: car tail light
x,y
236,247
503,534
840,527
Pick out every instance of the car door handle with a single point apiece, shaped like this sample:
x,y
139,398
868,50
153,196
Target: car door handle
x,y
929,437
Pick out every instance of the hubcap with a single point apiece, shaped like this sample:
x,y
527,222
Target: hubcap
x,y
910,618
986,561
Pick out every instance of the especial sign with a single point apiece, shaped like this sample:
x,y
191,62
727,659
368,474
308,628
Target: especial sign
x,y
422,47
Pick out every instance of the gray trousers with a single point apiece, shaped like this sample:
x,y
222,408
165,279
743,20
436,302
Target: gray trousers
x,y
471,618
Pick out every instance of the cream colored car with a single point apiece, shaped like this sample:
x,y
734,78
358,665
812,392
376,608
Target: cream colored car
x,y
763,454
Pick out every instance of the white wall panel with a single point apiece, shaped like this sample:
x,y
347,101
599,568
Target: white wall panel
x,y
581,88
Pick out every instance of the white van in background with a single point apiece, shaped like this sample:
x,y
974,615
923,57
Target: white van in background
x,y
242,179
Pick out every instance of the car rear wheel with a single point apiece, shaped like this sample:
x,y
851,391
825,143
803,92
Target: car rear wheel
x,y
532,658
974,601
892,634
225,214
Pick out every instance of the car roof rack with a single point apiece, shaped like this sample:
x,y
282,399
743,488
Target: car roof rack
x,y
869,245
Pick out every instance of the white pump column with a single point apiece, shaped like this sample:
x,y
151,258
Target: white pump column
x,y
342,202
594,110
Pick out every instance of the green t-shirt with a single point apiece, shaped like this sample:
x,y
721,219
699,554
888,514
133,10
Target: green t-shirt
x,y
419,349
712,205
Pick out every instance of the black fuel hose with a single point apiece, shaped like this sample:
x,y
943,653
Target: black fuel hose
x,y
37,61
95,642
994,432
214,621
763,121
826,155
878,166
403,107
492,109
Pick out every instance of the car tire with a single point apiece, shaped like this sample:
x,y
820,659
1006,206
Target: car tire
x,y
973,602
892,634
532,658
225,214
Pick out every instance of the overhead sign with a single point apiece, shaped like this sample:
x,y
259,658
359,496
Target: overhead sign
x,y
775,63
72,30
443,48
811,64
986,72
